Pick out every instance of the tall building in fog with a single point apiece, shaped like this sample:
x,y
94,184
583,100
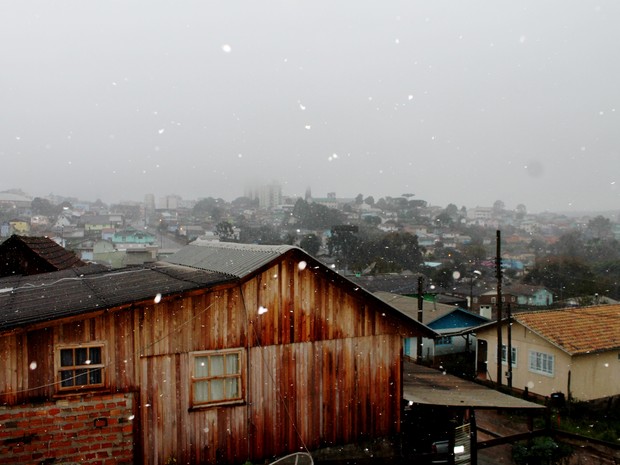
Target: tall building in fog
x,y
268,195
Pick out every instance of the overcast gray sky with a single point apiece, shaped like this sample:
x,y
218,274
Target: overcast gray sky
x,y
463,102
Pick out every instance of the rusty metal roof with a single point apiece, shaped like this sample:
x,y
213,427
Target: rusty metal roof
x,y
577,330
33,299
230,258
427,386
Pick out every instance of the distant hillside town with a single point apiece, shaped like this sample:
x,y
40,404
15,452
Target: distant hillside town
x,y
548,259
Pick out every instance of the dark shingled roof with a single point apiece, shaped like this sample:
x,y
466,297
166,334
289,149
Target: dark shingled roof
x,y
33,299
31,255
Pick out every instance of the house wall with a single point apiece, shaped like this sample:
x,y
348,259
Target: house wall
x,y
524,341
595,376
323,368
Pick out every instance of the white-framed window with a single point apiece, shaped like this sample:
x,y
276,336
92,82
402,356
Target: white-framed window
x,y
443,341
80,366
493,299
513,351
217,377
541,362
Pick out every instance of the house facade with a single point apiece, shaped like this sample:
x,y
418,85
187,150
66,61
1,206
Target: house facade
x,y
223,354
448,321
572,351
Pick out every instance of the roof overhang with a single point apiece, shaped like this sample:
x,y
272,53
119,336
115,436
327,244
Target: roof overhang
x,y
431,387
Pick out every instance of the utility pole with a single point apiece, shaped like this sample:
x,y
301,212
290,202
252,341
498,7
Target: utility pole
x,y
420,313
509,347
498,269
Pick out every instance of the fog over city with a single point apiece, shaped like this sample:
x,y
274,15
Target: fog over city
x,y
456,102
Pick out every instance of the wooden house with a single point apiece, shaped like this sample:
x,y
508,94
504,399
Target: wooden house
x,y
32,255
222,354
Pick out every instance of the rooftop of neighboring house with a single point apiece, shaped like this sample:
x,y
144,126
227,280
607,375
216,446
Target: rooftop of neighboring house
x,y
431,310
394,283
577,330
50,255
43,297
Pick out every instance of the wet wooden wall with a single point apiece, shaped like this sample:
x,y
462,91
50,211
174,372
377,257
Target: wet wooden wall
x,y
323,364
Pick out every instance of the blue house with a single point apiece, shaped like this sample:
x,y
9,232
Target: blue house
x,y
133,236
443,319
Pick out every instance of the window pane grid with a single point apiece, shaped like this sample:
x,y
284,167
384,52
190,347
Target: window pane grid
x,y
80,367
541,363
216,378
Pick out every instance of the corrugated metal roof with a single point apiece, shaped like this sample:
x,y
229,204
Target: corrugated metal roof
x,y
32,299
577,330
230,258
427,386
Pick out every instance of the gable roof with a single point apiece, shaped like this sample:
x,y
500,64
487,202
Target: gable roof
x,y
231,258
577,330
43,297
432,312
242,260
397,284
29,255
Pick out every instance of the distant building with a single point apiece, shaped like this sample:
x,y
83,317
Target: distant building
x,y
12,200
269,196
170,202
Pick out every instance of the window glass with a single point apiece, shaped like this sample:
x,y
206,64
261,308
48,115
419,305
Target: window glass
x,y
541,363
216,377
80,367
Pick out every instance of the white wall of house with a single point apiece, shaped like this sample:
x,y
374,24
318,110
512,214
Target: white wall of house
x,y
526,343
594,376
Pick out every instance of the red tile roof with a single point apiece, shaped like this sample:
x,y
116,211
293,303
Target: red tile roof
x,y
577,330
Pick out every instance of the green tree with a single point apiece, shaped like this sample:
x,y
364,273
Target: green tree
x,y
264,234
498,207
566,276
541,451
570,244
316,216
43,207
311,243
344,244
599,228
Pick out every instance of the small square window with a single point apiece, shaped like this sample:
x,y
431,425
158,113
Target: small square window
x,y
80,367
216,377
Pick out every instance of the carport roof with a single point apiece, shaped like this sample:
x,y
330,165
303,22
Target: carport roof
x,y
427,386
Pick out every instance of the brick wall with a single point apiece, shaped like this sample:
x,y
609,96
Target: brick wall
x,y
93,429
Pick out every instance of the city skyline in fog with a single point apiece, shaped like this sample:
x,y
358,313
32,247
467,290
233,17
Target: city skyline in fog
x,y
463,103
